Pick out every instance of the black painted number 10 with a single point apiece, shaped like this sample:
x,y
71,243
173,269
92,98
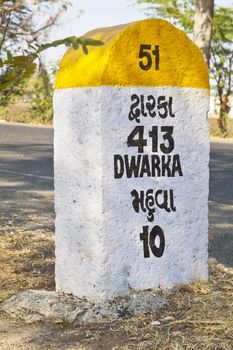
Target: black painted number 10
x,y
153,241
146,52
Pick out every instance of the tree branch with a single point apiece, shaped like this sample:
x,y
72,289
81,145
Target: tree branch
x,y
4,32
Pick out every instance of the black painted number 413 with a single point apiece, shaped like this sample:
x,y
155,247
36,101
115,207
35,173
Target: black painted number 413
x,y
149,57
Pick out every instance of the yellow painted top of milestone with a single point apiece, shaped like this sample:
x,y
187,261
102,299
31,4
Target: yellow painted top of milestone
x,y
151,52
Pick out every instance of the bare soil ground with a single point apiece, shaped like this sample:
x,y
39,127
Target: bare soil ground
x,y
199,316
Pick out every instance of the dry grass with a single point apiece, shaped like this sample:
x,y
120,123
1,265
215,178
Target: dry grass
x,y
199,316
26,261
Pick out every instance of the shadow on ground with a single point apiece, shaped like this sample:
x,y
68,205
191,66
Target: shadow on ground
x,y
27,202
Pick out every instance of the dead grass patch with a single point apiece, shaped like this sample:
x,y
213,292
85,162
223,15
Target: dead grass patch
x,y
199,315
26,261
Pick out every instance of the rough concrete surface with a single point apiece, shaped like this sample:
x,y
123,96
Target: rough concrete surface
x,y
99,220
39,305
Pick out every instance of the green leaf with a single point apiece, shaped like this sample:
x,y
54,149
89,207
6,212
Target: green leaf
x,y
9,56
16,69
93,42
6,85
222,60
70,41
29,71
85,50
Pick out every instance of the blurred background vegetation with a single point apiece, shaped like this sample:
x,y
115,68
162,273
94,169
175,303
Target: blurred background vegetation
x,y
25,90
31,101
26,87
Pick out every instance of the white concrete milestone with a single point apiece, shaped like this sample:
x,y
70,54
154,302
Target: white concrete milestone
x,y
131,173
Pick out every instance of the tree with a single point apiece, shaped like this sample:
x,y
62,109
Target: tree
x,y
203,21
20,37
222,61
19,30
181,13
21,23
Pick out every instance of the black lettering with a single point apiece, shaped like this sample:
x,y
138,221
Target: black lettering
x,y
170,107
138,201
154,136
151,106
155,166
144,238
132,168
157,251
143,107
173,208
156,54
134,112
176,167
166,166
164,204
140,142
168,130
150,202
118,166
145,167
162,104
143,53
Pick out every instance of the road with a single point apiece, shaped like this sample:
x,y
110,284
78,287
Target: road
x,y
26,180
221,202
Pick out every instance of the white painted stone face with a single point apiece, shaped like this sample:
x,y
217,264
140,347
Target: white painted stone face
x,y
99,253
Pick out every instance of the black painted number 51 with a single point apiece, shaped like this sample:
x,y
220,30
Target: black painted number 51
x,y
146,52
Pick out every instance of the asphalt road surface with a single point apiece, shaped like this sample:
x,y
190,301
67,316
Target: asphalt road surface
x,y
26,187
26,179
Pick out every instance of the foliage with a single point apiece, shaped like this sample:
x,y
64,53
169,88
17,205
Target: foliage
x,y
31,102
22,21
42,99
15,69
181,13
17,28
17,31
